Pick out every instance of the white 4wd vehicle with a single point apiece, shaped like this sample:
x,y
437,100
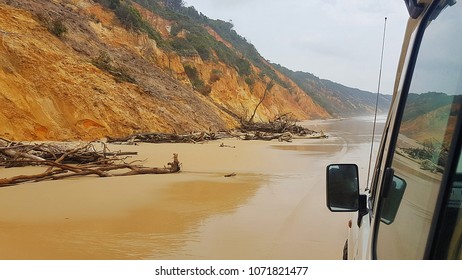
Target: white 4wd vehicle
x,y
412,207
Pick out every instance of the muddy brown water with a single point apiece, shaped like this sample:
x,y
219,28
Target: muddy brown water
x,y
274,208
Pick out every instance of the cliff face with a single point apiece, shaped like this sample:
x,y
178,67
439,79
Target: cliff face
x,y
337,99
431,117
97,78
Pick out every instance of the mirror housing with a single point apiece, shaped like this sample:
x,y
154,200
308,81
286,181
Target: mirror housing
x,y
342,191
392,200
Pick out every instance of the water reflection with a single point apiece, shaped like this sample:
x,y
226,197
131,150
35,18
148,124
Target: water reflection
x,y
312,148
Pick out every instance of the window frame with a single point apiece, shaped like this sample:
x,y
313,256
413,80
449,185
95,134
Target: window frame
x,y
395,125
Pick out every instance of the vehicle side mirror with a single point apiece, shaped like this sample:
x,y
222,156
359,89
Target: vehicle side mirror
x,y
393,200
342,192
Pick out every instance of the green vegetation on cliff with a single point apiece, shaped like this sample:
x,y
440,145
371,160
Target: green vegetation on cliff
x,y
192,33
131,18
199,41
337,99
420,104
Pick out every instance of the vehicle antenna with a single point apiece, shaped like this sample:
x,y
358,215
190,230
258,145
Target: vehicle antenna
x,y
376,104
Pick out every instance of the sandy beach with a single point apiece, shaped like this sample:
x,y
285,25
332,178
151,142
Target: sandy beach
x,y
274,208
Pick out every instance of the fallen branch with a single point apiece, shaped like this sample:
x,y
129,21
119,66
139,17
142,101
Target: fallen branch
x,y
223,145
61,171
14,154
64,162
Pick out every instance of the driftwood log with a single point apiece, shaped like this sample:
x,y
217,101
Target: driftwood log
x,y
63,162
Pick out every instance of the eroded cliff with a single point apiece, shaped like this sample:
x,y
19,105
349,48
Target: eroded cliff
x,y
99,78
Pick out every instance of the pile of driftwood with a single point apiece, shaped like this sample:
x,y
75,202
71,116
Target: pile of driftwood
x,y
283,128
155,137
267,136
280,124
64,160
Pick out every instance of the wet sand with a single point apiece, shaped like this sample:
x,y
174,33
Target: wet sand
x,y
274,208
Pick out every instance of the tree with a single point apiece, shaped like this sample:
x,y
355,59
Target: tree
x,y
268,88
174,5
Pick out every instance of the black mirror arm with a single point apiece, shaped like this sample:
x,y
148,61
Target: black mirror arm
x,y
387,182
362,209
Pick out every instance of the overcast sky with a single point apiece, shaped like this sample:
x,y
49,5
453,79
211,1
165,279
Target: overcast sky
x,y
338,40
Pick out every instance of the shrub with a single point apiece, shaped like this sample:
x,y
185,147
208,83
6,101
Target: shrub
x,y
243,67
191,72
196,81
131,18
205,90
57,28
103,61
215,75
249,81
175,30
203,52
182,46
